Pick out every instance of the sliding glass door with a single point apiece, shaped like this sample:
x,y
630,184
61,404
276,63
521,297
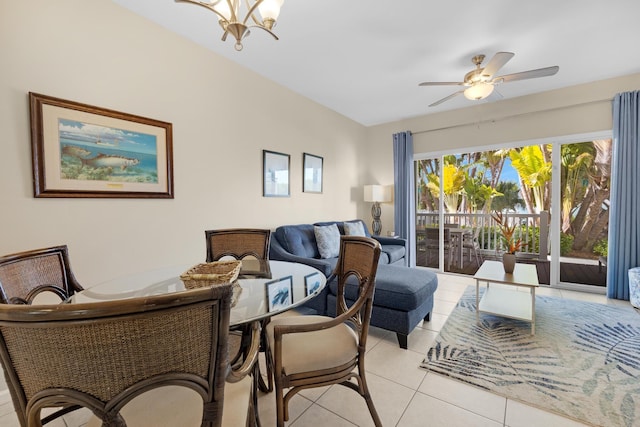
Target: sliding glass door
x,y
555,192
582,190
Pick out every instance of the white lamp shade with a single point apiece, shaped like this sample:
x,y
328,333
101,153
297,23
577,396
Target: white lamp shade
x,y
222,7
478,91
270,9
376,193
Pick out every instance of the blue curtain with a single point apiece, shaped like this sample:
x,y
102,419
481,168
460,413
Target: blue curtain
x,y
404,194
624,225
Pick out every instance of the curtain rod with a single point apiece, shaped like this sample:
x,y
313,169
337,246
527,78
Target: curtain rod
x,y
598,101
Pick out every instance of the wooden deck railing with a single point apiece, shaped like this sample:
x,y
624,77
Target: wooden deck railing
x,y
489,237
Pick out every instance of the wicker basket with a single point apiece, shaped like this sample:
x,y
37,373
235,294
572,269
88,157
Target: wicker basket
x,y
211,273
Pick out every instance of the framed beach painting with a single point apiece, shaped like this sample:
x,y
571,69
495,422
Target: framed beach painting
x,y
312,173
280,293
79,150
275,174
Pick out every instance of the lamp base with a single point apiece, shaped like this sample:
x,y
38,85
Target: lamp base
x,y
376,225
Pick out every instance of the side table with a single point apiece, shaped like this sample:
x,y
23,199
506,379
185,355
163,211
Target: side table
x,y
505,302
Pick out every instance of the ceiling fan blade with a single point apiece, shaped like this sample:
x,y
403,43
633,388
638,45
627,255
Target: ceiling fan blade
x,y
497,62
446,98
440,84
531,74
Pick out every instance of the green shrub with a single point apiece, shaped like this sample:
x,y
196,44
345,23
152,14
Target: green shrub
x,y
601,247
566,243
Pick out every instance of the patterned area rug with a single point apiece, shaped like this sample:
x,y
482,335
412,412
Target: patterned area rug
x,y
583,362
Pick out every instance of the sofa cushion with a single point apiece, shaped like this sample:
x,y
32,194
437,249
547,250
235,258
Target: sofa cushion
x,y
328,240
353,228
299,240
397,287
340,225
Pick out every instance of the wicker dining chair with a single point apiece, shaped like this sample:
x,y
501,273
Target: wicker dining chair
x,y
25,275
241,243
315,351
128,361
238,243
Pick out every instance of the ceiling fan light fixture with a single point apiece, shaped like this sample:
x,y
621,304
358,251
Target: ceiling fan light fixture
x,y
478,91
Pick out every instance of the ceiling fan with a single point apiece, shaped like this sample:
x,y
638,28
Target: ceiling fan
x,y
480,82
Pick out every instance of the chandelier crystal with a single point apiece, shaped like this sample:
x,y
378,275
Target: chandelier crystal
x,y
229,16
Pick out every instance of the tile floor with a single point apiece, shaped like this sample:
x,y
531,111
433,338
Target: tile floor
x,y
404,394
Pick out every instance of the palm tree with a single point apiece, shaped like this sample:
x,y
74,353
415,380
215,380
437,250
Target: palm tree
x,y
534,172
509,198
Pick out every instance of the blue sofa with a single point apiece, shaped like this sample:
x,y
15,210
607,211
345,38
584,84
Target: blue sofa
x,y
403,295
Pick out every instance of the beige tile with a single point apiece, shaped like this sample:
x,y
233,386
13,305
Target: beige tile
x,y
443,307
389,398
471,398
420,340
317,416
521,415
6,407
435,323
78,418
428,411
451,295
267,408
395,364
10,420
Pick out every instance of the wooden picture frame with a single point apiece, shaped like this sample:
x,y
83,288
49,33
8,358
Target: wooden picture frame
x,y
80,150
275,174
312,173
279,293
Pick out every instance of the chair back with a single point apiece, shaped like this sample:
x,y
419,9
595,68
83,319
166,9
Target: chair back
x,y
102,355
357,266
238,243
432,237
25,275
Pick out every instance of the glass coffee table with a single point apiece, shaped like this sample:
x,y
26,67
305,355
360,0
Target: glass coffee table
x,y
507,301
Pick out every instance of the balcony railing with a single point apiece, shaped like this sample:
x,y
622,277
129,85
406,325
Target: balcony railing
x,y
533,229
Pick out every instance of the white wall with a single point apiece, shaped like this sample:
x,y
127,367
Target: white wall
x,y
570,111
98,53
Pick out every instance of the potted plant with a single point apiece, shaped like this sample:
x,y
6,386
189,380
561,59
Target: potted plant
x,y
511,245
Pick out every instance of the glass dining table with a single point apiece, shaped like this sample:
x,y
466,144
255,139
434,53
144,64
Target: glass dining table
x,y
263,289
257,295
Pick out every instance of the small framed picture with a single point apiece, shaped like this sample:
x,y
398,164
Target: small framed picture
x,y
312,173
275,174
311,283
280,293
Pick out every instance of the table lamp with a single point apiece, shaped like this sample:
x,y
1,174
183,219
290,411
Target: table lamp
x,y
376,194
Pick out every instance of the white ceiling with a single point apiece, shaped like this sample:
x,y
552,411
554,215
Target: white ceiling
x,y
364,59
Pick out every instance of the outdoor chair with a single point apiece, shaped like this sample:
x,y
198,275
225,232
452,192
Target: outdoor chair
x,y
432,243
315,351
26,275
151,361
471,243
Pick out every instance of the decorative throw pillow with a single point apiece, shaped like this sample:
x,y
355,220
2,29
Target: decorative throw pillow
x,y
328,240
354,228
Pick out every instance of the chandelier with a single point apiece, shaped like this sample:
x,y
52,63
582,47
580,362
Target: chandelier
x,y
229,16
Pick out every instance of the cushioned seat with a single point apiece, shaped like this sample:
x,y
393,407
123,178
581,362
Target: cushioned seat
x,y
307,352
416,288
